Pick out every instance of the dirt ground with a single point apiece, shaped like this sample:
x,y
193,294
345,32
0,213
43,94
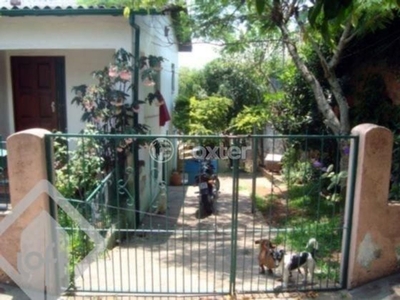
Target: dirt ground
x,y
269,186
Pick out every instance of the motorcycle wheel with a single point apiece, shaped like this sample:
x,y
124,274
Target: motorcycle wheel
x,y
206,208
216,183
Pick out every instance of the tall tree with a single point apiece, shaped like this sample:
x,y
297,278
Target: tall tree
x,y
322,24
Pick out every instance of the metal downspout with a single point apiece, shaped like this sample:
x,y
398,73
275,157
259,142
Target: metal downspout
x,y
135,98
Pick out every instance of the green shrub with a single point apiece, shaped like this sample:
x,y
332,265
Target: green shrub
x,y
77,173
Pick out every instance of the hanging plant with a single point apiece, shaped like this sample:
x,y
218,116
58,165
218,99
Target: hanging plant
x,y
148,77
155,62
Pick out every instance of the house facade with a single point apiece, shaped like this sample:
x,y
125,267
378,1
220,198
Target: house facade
x,y
65,45
48,47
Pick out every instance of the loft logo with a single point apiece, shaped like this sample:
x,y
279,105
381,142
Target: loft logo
x,y
42,263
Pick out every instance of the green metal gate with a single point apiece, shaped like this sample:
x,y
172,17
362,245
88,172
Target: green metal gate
x,y
286,189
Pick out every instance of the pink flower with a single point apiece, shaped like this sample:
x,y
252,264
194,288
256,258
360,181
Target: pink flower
x,y
112,71
119,149
125,75
89,105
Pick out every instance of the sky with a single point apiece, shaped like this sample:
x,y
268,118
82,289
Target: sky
x,y
201,54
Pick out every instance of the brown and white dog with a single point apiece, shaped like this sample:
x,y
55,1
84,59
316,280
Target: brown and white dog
x,y
265,256
290,262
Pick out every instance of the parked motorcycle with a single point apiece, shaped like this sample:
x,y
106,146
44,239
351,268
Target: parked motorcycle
x,y
209,185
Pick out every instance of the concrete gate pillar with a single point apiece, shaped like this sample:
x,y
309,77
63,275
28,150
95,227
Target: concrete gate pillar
x,y
25,230
375,228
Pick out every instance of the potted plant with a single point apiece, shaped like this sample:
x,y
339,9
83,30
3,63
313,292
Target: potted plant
x,y
155,62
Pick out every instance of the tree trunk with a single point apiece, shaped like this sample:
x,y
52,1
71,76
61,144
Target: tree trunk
x,y
323,105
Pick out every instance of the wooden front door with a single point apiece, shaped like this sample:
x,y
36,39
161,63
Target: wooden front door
x,y
35,92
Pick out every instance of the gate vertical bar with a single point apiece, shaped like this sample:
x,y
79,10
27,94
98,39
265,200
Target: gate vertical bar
x,y
48,148
353,165
234,226
135,98
254,175
49,169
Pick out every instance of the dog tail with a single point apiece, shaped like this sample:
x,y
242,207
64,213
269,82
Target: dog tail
x,y
314,246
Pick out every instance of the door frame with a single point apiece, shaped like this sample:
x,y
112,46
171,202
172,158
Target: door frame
x,y
60,86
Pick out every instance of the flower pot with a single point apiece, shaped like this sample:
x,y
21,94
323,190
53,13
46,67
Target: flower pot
x,y
148,82
155,63
157,66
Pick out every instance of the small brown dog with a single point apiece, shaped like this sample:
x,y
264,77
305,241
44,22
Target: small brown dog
x,y
265,258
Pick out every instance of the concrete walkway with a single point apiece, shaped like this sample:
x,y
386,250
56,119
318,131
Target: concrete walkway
x,y
179,252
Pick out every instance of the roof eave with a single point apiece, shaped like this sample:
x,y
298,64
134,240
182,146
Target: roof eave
x,y
21,12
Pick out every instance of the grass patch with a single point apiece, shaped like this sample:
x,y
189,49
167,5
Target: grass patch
x,y
328,233
242,188
306,201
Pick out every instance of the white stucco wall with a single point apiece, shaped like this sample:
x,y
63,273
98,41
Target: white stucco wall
x,y
87,43
72,36
67,32
154,41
